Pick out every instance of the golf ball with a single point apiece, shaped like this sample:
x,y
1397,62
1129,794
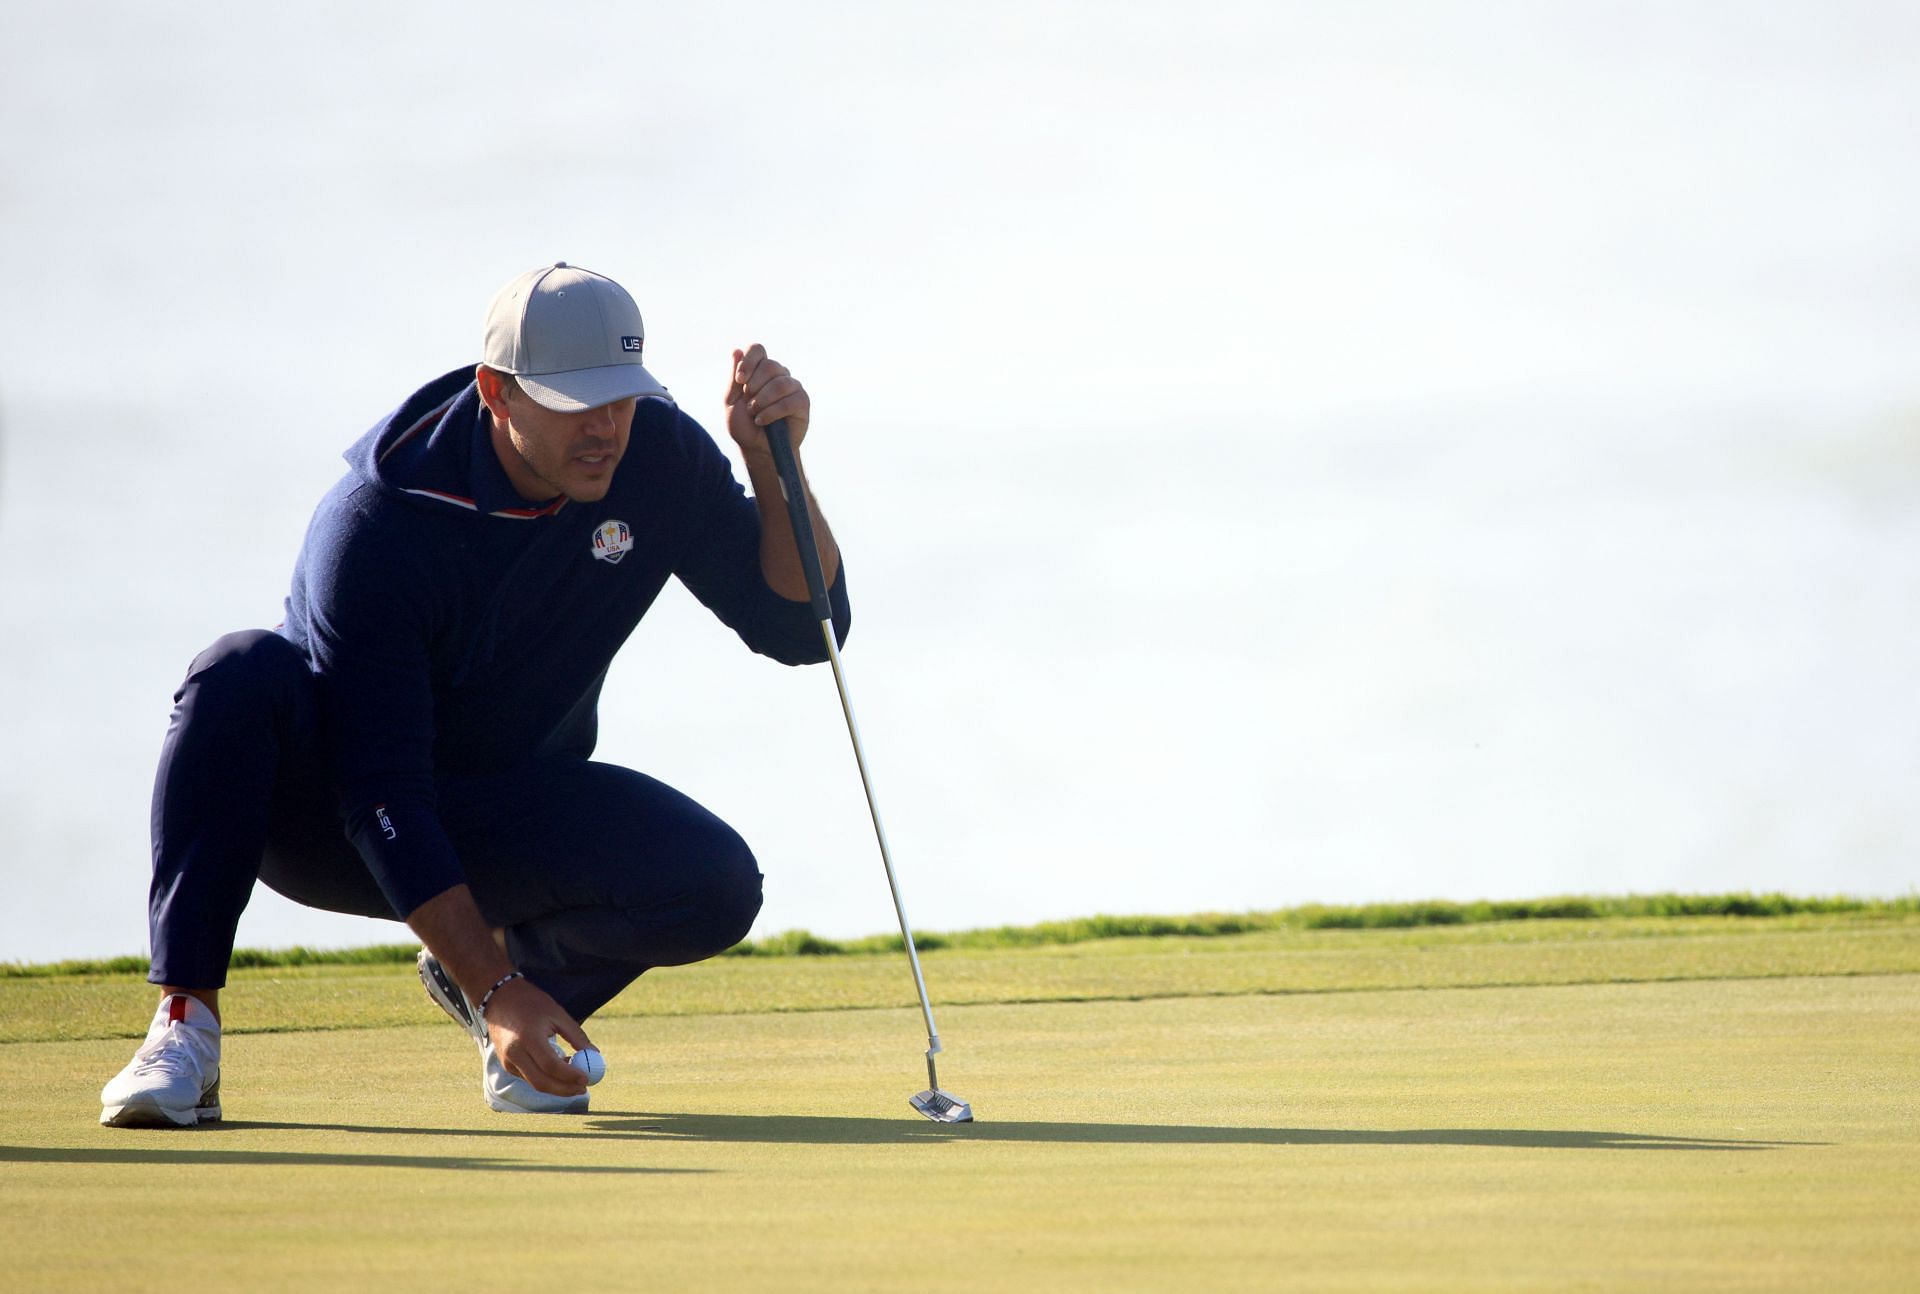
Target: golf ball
x,y
587,1060
590,1062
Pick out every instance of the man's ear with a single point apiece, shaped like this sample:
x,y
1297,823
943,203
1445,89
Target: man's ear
x,y
493,391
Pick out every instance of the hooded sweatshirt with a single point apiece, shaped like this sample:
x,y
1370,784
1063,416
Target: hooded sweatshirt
x,y
455,628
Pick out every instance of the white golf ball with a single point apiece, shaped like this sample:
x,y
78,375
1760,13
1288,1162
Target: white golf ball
x,y
590,1062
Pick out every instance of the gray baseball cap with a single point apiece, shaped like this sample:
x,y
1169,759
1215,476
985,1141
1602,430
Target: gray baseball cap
x,y
571,336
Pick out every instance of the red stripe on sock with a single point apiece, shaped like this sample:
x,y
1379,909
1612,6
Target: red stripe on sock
x,y
177,1007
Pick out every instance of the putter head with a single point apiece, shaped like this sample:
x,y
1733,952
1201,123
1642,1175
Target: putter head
x,y
942,1107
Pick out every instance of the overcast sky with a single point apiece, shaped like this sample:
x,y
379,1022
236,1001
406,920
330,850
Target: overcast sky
x,y
1283,452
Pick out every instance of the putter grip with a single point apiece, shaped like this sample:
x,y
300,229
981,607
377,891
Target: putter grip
x,y
795,493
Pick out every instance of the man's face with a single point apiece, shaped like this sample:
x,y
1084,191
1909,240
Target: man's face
x,y
550,453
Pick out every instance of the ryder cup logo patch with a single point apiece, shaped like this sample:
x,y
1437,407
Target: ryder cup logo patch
x,y
612,541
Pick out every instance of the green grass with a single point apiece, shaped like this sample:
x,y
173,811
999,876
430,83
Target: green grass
x,y
1693,1103
1271,962
1316,916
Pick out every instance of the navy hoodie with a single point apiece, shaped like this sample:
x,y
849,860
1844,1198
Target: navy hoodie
x,y
454,627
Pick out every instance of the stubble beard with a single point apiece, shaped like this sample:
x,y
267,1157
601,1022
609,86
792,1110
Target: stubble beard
x,y
540,473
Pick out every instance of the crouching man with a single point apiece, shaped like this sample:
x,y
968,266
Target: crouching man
x,y
415,741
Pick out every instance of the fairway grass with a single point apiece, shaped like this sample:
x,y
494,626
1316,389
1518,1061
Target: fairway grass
x,y
1616,950
1680,1106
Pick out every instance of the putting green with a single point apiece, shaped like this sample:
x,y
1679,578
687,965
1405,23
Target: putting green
x,y
1743,1117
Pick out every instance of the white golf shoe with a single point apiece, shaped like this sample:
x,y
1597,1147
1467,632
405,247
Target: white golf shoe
x,y
174,1079
504,1091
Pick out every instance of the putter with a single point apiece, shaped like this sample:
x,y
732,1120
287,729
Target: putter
x,y
941,1107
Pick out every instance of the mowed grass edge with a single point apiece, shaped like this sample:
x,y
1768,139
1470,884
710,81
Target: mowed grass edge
x,y
1279,961
1312,916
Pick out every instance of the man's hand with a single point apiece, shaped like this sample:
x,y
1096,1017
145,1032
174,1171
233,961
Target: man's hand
x,y
521,1019
761,391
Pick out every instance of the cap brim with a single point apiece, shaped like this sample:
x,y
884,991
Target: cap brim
x,y
589,388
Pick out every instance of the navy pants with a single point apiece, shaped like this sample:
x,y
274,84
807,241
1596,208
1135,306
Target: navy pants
x,y
597,873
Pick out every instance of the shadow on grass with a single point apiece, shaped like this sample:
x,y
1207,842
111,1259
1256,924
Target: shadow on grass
x,y
865,1132
184,1154
827,1130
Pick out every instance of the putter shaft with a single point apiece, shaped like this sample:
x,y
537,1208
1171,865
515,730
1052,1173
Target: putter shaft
x,y
793,490
886,854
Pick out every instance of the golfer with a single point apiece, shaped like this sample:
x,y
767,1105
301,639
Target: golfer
x,y
415,741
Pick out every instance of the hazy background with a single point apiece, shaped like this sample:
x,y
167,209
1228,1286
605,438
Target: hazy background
x,y
1284,452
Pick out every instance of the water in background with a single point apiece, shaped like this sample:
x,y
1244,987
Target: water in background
x,y
1280,457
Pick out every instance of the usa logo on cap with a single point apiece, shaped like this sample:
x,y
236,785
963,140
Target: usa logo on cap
x,y
612,541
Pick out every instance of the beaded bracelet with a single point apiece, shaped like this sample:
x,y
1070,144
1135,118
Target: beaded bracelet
x,y
498,984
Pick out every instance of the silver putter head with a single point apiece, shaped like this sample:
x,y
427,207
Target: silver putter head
x,y
942,1107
